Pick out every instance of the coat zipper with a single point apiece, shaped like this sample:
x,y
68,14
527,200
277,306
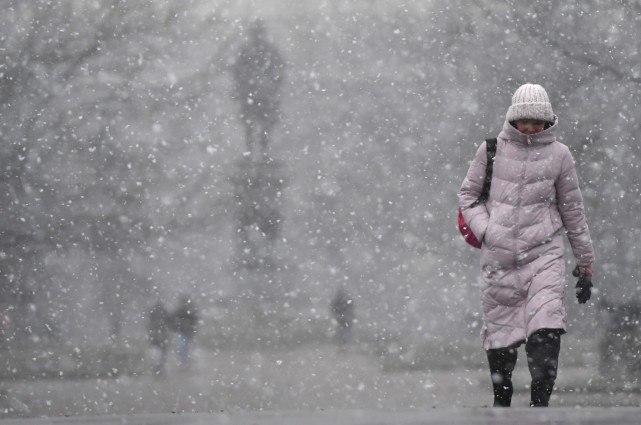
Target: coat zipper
x,y
520,191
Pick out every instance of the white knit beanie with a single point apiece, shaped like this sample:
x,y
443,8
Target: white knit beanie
x,y
530,101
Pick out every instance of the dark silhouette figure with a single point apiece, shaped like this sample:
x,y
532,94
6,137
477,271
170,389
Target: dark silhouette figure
x,y
258,75
185,323
158,335
342,308
7,329
620,345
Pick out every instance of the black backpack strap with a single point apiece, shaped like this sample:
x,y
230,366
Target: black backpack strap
x,y
489,166
491,150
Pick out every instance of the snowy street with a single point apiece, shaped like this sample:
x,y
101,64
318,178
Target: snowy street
x,y
317,383
472,416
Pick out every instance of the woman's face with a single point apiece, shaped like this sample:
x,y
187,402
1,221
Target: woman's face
x,y
530,126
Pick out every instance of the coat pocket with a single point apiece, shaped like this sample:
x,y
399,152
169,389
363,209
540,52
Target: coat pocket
x,y
555,219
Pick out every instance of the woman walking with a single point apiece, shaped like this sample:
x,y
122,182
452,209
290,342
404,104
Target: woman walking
x,y
534,195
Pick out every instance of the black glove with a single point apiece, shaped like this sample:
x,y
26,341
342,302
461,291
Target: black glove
x,y
583,286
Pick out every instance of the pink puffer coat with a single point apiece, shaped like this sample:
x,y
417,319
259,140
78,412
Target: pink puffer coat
x,y
534,195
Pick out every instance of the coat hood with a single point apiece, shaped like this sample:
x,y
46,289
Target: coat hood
x,y
511,134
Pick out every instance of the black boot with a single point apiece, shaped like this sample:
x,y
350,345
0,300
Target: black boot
x,y
502,362
542,349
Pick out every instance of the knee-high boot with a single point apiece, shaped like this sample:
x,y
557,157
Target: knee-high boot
x,y
502,362
542,349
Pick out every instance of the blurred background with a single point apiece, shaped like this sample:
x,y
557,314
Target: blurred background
x,y
257,158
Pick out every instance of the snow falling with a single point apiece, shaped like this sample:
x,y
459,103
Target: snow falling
x,y
279,178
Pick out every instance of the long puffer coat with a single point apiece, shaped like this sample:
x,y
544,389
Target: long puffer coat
x,y
534,195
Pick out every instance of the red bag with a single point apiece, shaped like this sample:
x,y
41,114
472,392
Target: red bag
x,y
465,230
467,233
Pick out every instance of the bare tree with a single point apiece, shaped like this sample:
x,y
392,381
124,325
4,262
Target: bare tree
x,y
78,95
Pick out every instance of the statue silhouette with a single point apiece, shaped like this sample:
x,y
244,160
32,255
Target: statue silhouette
x,y
258,75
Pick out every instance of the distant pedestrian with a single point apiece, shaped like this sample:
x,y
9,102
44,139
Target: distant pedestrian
x,y
185,323
342,308
7,330
534,200
621,340
158,335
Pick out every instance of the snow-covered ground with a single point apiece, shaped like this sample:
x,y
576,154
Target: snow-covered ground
x,y
312,379
453,416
